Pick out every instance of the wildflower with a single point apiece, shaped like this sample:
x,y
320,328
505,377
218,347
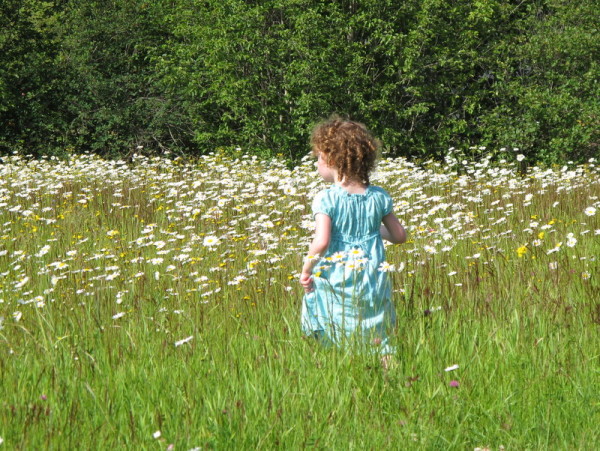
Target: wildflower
x,y
556,248
112,233
118,315
236,280
183,341
211,241
571,240
351,267
430,249
385,267
520,157
43,251
361,261
337,257
553,265
159,244
314,258
157,434
156,261
451,368
522,250
590,211
454,384
21,283
585,275
356,253
112,276
289,190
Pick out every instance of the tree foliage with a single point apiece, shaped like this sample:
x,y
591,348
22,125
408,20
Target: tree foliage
x,y
30,78
192,76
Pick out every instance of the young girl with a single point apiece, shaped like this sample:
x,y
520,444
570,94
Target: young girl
x,y
347,291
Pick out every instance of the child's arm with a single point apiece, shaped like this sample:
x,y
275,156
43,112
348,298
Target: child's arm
x,y
319,246
392,230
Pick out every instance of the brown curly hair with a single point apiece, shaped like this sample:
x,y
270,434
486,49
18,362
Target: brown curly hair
x,y
347,146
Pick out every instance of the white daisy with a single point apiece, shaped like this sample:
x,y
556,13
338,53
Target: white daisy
x,y
211,241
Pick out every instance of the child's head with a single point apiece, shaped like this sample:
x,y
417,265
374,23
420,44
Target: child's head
x,y
346,146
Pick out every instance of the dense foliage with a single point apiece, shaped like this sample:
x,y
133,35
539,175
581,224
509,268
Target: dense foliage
x,y
191,76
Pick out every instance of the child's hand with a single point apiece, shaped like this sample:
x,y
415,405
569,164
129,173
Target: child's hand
x,y
306,282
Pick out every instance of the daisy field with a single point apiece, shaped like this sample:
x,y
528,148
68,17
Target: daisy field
x,y
154,303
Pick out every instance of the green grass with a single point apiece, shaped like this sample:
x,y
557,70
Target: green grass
x,y
95,347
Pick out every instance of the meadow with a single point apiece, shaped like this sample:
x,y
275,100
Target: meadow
x,y
154,304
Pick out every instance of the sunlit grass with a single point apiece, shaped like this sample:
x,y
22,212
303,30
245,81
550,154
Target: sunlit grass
x,y
154,302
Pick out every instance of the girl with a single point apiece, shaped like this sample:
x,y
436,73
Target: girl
x,y
347,291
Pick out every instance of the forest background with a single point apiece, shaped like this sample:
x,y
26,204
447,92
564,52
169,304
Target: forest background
x,y
191,77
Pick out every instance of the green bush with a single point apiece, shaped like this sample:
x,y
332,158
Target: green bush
x,y
191,77
30,80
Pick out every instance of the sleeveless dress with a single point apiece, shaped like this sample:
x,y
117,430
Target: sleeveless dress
x,y
351,301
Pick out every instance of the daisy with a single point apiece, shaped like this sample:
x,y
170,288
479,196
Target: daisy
x,y
430,249
183,341
289,190
555,248
386,267
211,241
43,251
22,282
362,261
315,257
590,211
356,253
337,257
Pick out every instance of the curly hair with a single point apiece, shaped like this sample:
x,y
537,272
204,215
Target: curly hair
x,y
347,146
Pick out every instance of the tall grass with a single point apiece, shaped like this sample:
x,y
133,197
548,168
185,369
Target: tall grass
x,y
154,304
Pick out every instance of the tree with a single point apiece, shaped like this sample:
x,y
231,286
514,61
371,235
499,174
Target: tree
x,y
31,93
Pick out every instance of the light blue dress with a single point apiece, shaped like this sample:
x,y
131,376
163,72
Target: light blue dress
x,y
351,301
